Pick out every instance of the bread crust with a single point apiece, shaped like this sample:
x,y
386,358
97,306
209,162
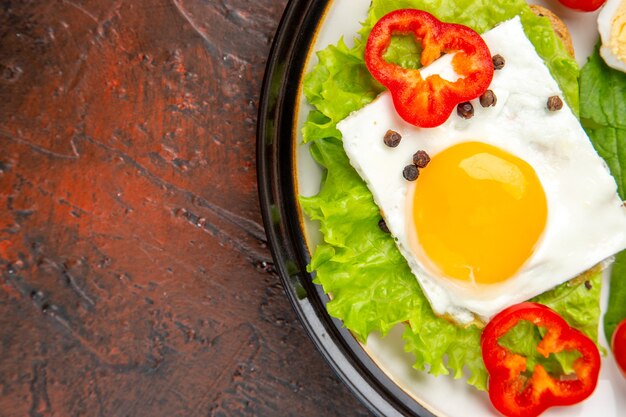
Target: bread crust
x,y
557,24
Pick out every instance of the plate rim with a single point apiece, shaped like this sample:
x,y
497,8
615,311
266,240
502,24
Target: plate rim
x,y
281,214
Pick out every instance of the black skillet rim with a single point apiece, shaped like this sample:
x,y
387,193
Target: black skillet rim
x,y
281,218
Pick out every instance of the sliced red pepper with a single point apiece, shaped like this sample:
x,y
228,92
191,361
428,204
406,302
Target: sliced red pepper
x,y
429,102
512,393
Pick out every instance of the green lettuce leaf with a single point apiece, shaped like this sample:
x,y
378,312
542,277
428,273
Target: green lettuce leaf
x,y
616,309
603,114
370,282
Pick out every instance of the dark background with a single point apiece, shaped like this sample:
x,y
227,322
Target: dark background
x,y
135,279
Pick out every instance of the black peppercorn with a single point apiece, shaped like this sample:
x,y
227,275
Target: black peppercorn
x,y
383,225
555,103
498,62
410,172
488,98
465,110
392,138
421,159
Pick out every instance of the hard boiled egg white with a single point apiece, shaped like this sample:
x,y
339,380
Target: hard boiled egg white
x,y
612,28
514,201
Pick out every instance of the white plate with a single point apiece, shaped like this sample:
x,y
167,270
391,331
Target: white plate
x,y
343,18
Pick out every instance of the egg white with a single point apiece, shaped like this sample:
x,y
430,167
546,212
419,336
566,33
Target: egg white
x,y
586,221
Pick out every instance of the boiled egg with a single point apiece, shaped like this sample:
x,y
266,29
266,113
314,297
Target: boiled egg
x,y
514,200
612,28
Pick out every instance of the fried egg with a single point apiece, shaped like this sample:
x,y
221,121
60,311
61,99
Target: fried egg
x,y
514,200
612,28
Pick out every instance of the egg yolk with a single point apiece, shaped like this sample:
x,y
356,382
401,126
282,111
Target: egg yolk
x,y
478,212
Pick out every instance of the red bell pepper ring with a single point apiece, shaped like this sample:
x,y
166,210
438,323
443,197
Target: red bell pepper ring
x,y
429,102
512,393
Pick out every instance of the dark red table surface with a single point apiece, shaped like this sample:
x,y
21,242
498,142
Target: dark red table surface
x,y
135,274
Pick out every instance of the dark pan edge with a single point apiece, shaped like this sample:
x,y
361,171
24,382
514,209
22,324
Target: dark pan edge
x,y
280,212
